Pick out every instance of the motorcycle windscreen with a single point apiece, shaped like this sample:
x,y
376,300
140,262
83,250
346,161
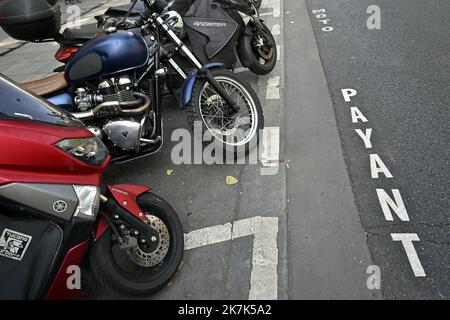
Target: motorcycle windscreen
x,y
28,248
210,29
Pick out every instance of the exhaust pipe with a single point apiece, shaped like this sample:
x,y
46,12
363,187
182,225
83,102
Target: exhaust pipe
x,y
141,104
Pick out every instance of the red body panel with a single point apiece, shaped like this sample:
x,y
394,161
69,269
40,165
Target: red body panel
x,y
126,194
102,226
29,155
59,289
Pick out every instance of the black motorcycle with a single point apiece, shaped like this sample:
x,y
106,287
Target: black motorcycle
x,y
216,30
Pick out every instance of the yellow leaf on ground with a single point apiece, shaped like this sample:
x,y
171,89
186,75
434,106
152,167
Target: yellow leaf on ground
x,y
230,180
169,172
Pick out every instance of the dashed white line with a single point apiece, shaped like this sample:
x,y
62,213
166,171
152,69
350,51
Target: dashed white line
x,y
273,88
276,29
276,5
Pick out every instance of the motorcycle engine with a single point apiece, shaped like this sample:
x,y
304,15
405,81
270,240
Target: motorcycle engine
x,y
123,133
114,89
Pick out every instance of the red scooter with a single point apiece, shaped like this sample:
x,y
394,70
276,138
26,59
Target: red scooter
x,y
54,220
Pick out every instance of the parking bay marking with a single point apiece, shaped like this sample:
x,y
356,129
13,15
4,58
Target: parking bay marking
x,y
264,274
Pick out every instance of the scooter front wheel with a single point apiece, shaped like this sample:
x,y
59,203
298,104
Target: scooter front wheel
x,y
138,271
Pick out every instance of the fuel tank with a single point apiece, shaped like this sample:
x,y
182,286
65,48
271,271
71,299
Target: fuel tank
x,y
106,55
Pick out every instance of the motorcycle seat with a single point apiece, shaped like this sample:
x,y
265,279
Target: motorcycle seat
x,y
48,85
85,33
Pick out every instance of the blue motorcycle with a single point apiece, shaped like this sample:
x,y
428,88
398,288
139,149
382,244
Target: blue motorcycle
x,y
114,82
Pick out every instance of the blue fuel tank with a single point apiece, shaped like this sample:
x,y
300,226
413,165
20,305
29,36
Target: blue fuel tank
x,y
107,55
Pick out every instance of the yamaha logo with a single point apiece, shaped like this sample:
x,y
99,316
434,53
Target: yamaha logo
x,y
60,206
210,24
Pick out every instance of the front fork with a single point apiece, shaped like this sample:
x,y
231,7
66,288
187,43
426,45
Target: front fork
x,y
123,213
203,71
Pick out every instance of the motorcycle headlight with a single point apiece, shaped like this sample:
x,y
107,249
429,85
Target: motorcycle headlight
x,y
88,200
90,150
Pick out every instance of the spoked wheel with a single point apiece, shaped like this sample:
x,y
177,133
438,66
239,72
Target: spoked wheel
x,y
145,267
261,54
236,131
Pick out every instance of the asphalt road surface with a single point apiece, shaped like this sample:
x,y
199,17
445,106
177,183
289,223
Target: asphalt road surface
x,y
401,73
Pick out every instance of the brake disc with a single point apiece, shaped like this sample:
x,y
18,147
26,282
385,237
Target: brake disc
x,y
264,50
150,259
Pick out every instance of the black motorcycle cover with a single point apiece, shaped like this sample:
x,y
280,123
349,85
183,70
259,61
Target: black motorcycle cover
x,y
210,28
28,248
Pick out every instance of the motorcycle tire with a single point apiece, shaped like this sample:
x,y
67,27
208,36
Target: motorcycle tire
x,y
144,280
196,112
250,57
256,3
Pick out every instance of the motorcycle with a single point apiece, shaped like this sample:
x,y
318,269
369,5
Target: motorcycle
x,y
114,84
218,31
54,220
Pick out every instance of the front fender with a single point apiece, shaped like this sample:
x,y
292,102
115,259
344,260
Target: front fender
x,y
188,86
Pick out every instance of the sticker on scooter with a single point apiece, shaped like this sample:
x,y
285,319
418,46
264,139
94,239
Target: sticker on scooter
x,y
14,244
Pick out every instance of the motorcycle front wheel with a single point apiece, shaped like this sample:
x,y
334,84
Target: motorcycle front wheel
x,y
234,131
138,272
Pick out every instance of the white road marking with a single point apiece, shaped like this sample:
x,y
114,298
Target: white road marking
x,y
270,150
348,93
9,42
386,202
264,274
357,115
276,30
207,236
365,137
273,88
240,70
276,5
377,166
397,204
407,241
279,57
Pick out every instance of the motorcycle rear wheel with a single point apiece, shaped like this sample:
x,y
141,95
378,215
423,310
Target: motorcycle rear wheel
x,y
259,57
126,276
256,3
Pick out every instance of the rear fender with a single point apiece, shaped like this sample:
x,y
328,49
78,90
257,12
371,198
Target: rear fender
x,y
188,85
